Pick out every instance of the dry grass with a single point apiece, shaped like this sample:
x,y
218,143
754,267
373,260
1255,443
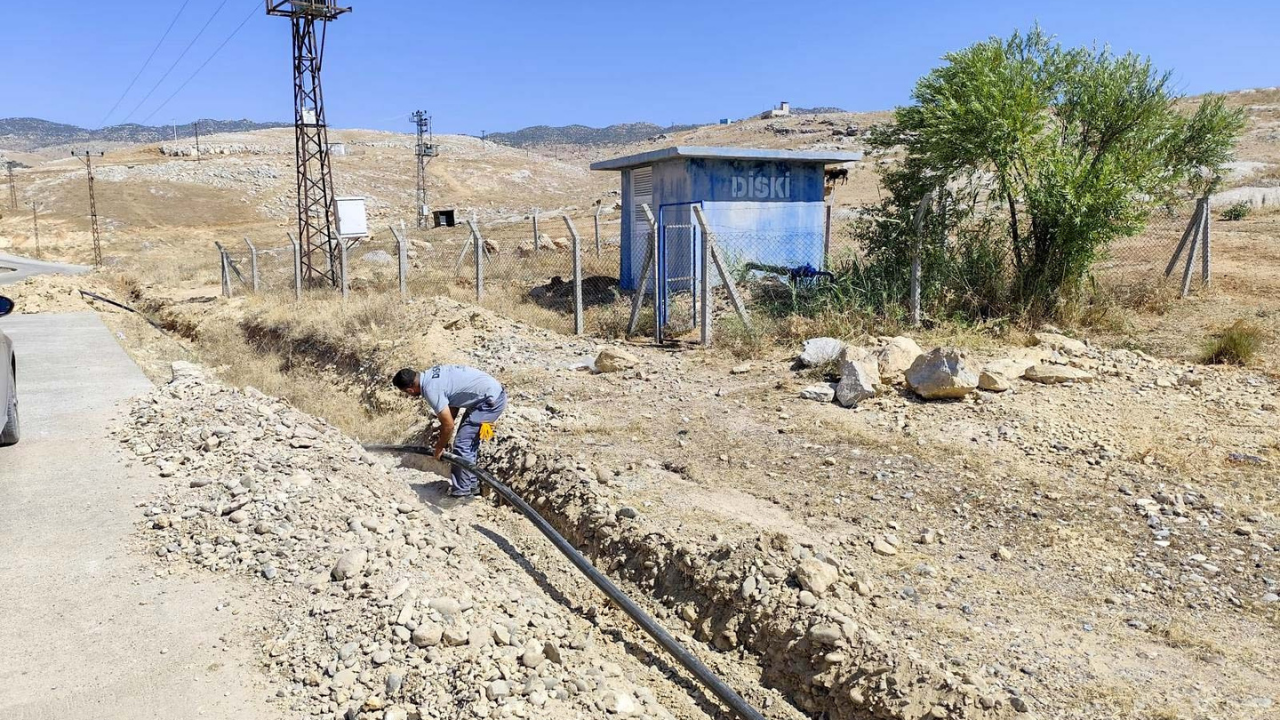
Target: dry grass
x,y
1178,635
1237,344
342,400
742,341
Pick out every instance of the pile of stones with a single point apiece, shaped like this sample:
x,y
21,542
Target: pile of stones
x,y
389,610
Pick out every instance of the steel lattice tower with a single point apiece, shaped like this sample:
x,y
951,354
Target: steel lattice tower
x,y
425,151
316,229
86,156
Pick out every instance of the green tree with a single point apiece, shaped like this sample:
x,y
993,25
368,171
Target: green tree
x,y
1038,157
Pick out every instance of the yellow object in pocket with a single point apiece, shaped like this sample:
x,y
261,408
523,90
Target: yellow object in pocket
x,y
486,431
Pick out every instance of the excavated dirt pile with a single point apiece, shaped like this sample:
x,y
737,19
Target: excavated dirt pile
x,y
388,608
48,294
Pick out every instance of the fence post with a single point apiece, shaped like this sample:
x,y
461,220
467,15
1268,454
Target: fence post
x,y
253,263
402,259
297,267
659,270
726,279
342,269
1193,226
478,251
916,246
705,289
1205,257
537,244
597,219
826,239
638,298
1191,258
579,315
226,271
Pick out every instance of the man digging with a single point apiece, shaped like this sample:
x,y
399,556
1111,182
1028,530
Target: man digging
x,y
447,389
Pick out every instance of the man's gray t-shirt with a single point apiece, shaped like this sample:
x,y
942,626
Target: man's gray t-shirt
x,y
457,386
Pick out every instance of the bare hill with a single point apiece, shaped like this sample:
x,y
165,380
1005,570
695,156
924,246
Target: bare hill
x,y
26,134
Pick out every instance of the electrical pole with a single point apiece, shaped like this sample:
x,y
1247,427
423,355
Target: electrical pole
x,y
175,129
425,151
35,225
319,249
86,156
13,187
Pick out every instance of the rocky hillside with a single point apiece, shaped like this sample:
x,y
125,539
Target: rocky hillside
x,y
28,134
619,134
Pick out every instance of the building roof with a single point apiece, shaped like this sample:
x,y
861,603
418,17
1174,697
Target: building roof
x,y
725,153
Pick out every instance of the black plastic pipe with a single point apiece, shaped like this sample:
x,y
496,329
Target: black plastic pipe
x,y
704,675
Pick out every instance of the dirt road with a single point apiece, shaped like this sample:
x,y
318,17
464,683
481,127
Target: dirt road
x,y
89,628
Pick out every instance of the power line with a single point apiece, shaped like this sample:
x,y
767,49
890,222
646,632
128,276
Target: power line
x,y
142,69
175,62
252,13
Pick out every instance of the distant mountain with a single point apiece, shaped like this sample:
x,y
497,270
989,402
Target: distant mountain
x,y
32,133
582,135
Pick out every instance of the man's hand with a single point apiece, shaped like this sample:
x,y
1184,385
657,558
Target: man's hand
x,y
445,436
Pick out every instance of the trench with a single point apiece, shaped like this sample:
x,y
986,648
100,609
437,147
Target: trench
x,y
823,663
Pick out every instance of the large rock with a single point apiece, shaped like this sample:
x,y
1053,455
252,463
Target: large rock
x,y
613,359
816,576
998,375
350,565
993,381
616,702
941,374
823,392
859,371
1061,343
895,358
427,635
820,351
1049,374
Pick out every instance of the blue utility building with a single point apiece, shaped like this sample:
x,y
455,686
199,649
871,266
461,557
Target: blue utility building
x,y
764,206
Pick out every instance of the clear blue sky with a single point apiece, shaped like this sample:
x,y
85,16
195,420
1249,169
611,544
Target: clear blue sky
x,y
506,64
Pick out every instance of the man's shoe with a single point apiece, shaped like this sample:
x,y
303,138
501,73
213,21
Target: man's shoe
x,y
451,501
474,492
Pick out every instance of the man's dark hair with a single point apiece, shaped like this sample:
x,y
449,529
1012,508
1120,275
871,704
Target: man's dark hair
x,y
404,379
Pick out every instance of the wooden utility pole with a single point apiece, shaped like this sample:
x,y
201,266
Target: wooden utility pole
x,y
86,156
197,126
35,224
13,187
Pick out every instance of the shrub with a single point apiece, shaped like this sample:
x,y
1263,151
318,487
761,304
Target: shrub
x,y
1234,345
1035,158
1237,211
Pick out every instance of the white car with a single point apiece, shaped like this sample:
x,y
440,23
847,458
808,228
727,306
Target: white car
x,y
8,383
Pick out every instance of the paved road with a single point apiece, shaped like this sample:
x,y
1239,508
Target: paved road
x,y
16,269
87,630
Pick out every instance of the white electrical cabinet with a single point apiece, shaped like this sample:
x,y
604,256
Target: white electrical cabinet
x,y
352,221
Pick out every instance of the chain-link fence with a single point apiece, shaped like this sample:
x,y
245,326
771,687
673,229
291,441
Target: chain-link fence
x,y
754,261
1141,261
528,270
